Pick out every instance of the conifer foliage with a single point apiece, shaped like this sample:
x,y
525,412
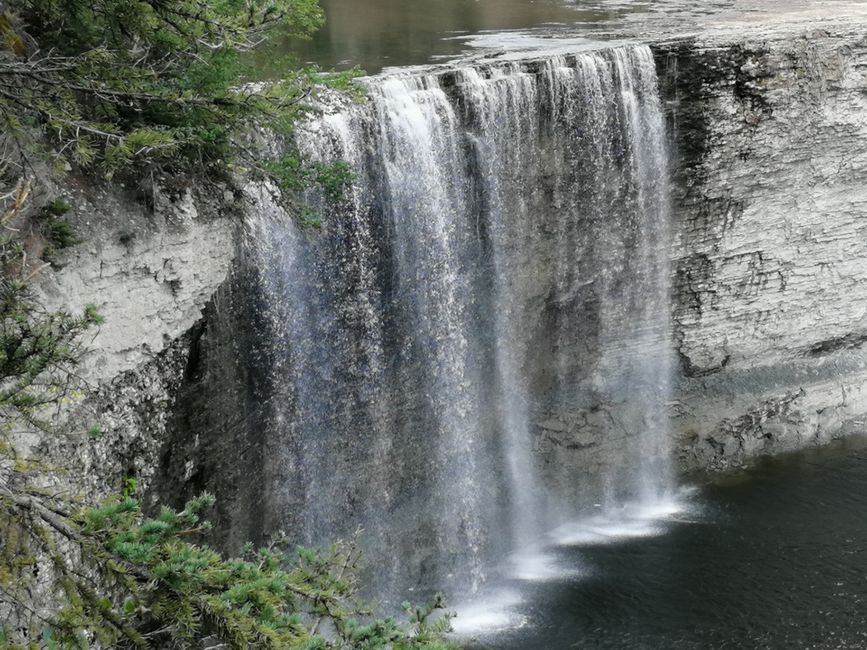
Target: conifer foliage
x,y
149,83
138,582
38,349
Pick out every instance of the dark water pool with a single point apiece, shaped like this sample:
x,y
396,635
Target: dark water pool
x,y
773,558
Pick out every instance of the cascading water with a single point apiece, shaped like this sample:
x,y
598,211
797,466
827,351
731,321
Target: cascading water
x,y
501,256
635,329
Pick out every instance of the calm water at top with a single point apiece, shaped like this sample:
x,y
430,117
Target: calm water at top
x,y
774,558
374,34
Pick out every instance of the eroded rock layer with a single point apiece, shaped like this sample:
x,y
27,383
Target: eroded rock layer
x,y
771,247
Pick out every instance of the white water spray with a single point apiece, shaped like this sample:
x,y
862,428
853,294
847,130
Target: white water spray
x,y
502,253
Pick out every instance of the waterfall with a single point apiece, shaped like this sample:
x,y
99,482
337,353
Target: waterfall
x,y
477,336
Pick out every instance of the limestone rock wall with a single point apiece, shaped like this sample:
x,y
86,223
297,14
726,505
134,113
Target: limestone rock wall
x,y
149,269
770,286
150,265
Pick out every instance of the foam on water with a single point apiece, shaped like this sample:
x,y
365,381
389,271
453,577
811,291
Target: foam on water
x,y
627,521
538,565
499,611
493,613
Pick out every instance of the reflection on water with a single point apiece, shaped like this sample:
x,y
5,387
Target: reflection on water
x,y
379,33
374,34
775,558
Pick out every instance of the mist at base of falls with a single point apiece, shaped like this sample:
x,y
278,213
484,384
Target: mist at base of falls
x,y
474,348
771,557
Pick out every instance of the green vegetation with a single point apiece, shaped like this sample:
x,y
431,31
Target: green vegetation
x,y
142,582
120,83
138,89
57,232
141,88
38,350
293,176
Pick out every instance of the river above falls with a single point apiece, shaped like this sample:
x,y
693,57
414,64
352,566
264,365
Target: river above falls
x,y
378,34
387,33
773,557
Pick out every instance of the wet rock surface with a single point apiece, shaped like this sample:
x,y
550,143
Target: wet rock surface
x,y
770,221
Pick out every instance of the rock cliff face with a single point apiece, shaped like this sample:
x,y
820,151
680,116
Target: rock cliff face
x,y
149,270
149,267
771,237
769,128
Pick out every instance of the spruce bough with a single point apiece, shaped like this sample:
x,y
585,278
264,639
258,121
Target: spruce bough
x,y
142,582
121,86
